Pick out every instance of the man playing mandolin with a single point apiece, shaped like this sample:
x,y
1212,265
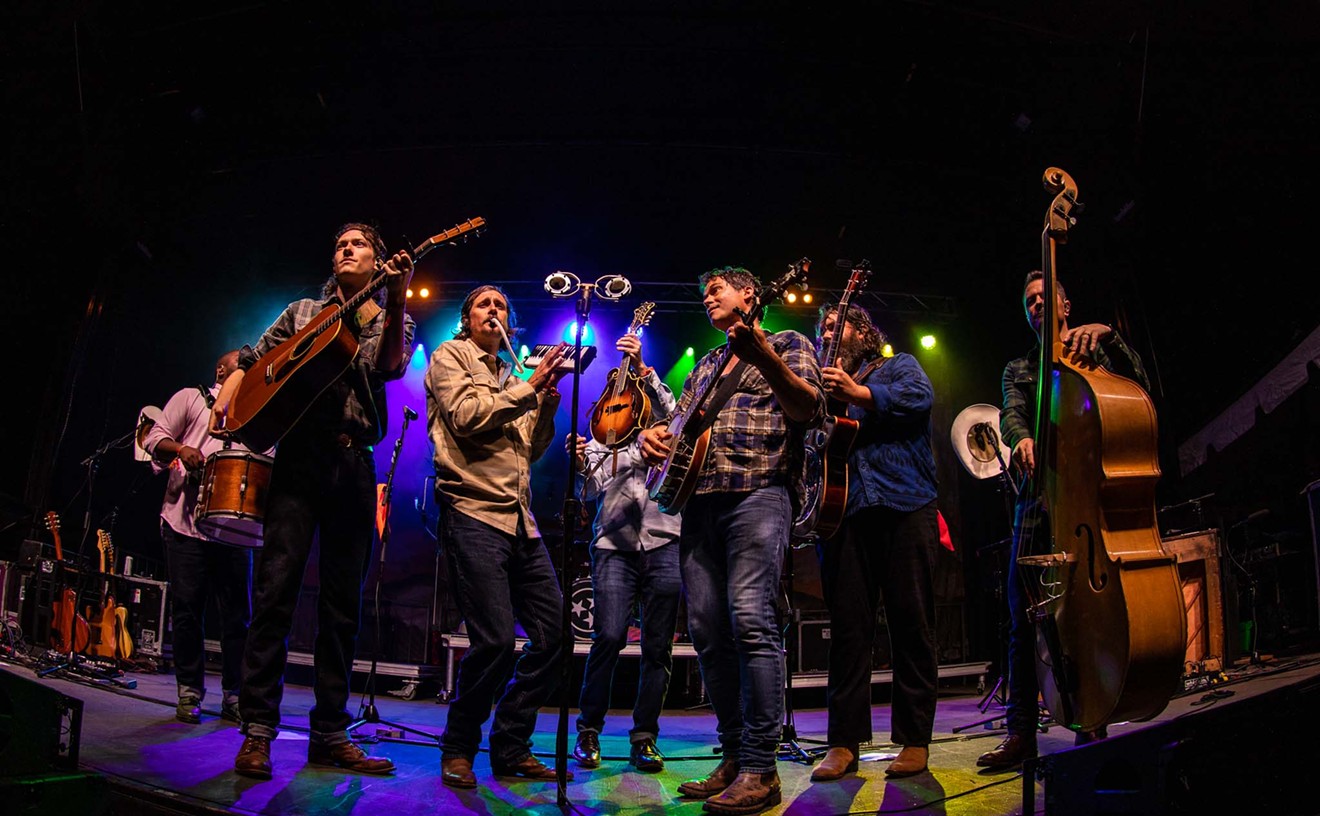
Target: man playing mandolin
x,y
1095,341
735,532
885,549
634,561
323,486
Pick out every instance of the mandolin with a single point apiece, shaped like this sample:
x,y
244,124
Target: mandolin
x,y
623,408
69,631
826,448
279,388
671,483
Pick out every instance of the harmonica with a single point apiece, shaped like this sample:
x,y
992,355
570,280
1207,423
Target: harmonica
x,y
566,362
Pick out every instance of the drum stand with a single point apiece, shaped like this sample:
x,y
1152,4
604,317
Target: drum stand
x,y
367,712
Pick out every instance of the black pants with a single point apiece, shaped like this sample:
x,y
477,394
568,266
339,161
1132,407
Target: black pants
x,y
199,570
326,492
882,554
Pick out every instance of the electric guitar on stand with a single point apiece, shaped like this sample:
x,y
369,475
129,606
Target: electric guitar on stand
x,y
670,484
69,631
826,448
106,622
280,386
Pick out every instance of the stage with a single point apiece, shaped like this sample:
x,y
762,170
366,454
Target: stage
x,y
1232,742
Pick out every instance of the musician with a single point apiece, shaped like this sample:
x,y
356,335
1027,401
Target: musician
x,y
179,443
323,486
486,429
634,560
735,532
885,549
1102,344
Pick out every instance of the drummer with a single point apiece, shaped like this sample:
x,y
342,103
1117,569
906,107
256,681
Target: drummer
x,y
198,567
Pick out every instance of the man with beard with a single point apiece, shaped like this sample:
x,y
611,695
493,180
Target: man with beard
x,y
884,549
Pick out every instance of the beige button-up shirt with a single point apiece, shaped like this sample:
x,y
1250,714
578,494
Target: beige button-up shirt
x,y
486,430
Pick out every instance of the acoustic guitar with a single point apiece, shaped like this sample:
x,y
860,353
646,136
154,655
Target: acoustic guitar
x,y
282,385
826,448
671,483
623,408
69,631
105,640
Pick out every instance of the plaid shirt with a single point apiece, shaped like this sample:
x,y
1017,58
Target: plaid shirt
x,y
752,443
354,403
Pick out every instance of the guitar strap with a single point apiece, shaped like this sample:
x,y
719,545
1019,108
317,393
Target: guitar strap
x,y
718,398
206,395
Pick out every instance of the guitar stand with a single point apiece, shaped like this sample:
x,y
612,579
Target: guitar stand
x,y
367,713
790,744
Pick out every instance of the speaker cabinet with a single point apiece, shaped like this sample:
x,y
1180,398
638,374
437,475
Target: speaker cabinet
x,y
31,719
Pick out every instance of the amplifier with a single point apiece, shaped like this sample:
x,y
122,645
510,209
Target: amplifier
x,y
148,617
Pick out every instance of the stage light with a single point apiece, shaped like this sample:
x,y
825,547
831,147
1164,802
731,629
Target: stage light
x,y
418,359
690,352
806,298
426,293
790,297
408,293
887,350
928,341
570,334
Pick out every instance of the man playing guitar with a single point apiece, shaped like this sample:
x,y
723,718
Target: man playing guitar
x,y
885,548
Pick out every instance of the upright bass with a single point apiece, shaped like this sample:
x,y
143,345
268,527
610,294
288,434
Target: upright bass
x,y
1111,629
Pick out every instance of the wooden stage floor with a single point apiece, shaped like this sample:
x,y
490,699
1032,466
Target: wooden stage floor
x,y
153,764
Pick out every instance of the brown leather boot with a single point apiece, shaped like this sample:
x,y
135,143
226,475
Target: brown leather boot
x,y
838,761
1008,753
529,767
456,772
718,780
909,762
254,758
349,756
749,793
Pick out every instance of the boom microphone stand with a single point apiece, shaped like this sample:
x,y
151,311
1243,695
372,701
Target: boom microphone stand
x,y
367,712
561,285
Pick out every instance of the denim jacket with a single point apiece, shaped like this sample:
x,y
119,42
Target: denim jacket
x,y
892,463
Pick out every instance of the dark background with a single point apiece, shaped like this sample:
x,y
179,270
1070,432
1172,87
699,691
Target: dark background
x,y
174,175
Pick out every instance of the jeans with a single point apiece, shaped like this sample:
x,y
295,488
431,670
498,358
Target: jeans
x,y
619,579
199,569
326,492
732,554
881,556
500,578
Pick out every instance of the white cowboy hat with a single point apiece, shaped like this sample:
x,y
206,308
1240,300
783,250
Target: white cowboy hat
x,y
147,417
975,435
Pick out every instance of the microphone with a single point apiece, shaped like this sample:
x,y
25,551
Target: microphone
x,y
409,414
613,287
562,284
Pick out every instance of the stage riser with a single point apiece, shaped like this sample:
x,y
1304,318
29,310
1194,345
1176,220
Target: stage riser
x,y
1244,756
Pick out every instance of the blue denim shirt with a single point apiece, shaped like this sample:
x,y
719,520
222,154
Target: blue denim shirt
x,y
892,463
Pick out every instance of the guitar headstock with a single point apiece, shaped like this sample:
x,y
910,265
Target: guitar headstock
x,y
796,274
53,521
107,550
470,228
641,317
858,278
1059,218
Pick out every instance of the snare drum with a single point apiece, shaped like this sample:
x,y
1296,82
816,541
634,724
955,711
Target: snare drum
x,y
231,505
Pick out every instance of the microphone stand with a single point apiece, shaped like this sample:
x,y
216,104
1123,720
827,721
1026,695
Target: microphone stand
x,y
367,712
